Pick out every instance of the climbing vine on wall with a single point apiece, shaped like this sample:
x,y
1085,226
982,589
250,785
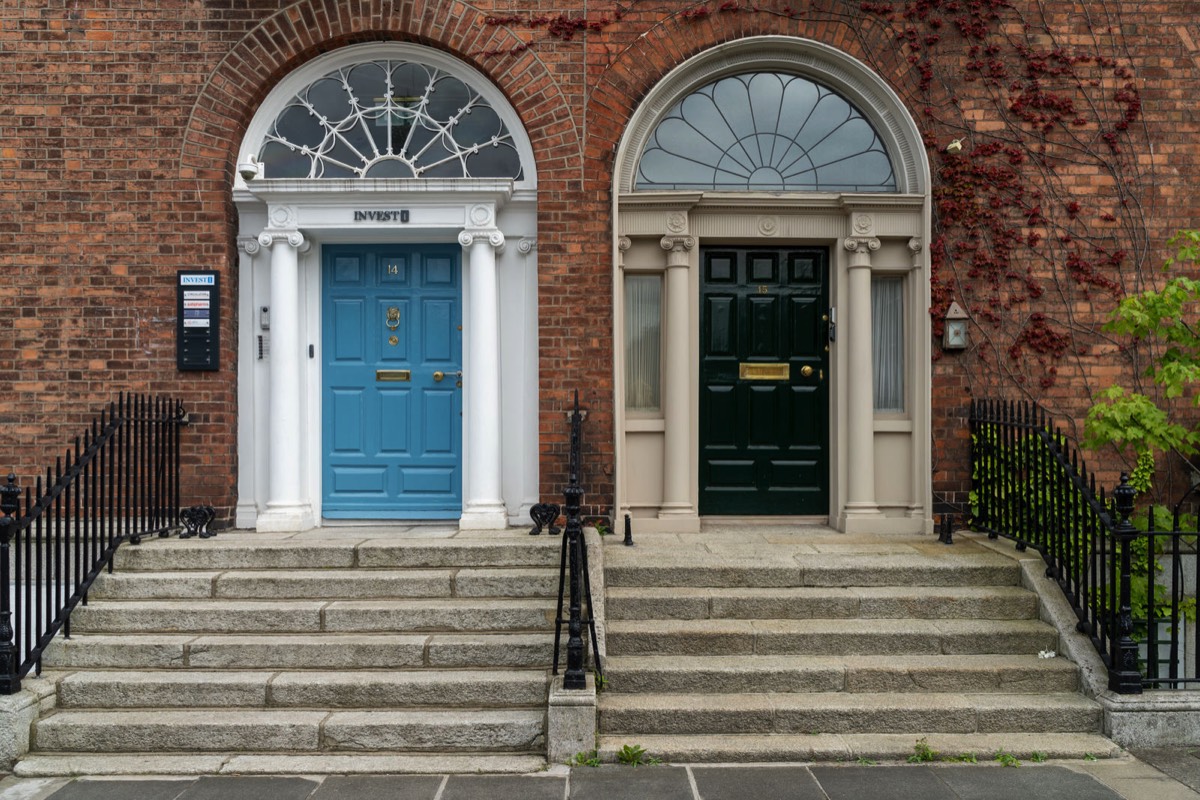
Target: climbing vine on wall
x,y
1038,223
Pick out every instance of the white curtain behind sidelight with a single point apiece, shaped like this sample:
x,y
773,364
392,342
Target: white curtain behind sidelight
x,y
643,342
887,324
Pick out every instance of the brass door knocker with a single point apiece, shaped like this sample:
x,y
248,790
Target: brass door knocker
x,y
393,318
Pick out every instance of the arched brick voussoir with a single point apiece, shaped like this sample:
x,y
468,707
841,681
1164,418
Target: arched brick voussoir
x,y
303,30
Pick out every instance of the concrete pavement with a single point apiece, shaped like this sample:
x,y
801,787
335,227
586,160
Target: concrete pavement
x,y
1126,778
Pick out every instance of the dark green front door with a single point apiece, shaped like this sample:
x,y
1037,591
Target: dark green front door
x,y
764,369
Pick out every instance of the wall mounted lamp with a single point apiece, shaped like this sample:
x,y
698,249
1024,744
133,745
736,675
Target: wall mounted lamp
x,y
955,335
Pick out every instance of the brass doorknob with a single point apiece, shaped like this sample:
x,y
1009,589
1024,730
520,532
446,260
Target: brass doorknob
x,y
437,376
806,371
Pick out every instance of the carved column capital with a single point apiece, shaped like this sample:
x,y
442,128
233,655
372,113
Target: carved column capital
x,y
860,248
623,245
493,236
677,248
861,244
294,238
248,244
526,245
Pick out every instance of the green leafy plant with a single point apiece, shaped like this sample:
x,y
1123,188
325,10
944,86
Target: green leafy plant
x,y
602,527
922,752
601,682
1037,757
1007,759
589,759
962,758
863,761
1090,757
634,755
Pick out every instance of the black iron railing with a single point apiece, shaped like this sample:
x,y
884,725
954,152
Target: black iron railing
x,y
574,583
1031,486
119,482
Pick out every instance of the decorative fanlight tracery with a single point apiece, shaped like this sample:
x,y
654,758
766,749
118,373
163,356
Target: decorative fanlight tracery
x,y
765,131
389,119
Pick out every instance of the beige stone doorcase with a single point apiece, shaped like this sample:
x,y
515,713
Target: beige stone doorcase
x,y
879,348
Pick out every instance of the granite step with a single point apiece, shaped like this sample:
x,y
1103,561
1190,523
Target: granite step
x,y
299,616
327,584
213,730
365,689
324,651
830,747
863,674
868,602
842,712
829,637
253,553
719,570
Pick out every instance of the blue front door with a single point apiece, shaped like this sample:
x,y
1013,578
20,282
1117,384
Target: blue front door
x,y
392,402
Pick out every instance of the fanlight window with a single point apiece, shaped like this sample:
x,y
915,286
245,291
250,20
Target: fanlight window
x,y
765,131
389,119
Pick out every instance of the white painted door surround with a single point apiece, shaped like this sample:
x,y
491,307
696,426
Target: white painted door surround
x,y
283,222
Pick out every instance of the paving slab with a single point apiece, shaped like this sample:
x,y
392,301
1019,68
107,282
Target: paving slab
x,y
1181,763
503,787
1005,783
379,787
903,783
122,790
222,788
738,783
630,783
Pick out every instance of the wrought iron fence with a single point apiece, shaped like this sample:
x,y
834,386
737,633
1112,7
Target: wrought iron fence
x,y
1030,485
119,482
574,583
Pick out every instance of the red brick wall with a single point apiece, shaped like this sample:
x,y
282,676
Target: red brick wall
x,y
119,124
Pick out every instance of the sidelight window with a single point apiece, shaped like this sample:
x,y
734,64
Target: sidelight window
x,y
887,334
643,342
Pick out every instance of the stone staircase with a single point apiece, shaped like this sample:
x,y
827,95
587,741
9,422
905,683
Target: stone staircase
x,y
327,652
824,648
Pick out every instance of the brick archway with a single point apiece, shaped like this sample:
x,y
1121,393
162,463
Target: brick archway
x,y
276,46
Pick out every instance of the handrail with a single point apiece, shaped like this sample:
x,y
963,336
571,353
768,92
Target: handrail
x,y
119,482
574,582
1031,486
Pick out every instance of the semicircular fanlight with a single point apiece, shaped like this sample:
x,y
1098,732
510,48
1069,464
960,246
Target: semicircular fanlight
x,y
765,131
389,119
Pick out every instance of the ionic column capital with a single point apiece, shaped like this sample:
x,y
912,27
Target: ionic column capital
x,y
677,248
248,244
860,248
294,238
526,245
492,236
916,247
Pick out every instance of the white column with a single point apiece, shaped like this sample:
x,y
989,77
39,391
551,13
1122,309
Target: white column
x,y
622,499
677,382
860,401
286,509
916,392
246,515
483,501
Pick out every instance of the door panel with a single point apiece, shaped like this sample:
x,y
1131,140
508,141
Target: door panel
x,y
764,431
392,432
